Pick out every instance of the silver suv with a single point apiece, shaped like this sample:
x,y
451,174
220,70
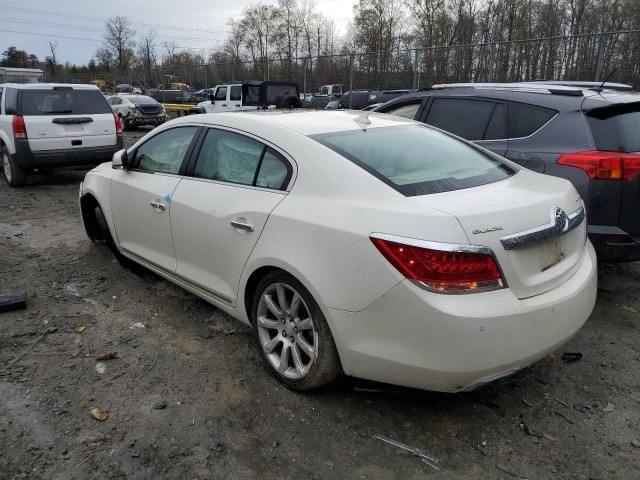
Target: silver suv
x,y
54,125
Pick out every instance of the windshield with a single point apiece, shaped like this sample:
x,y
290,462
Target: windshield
x,y
417,160
616,128
63,101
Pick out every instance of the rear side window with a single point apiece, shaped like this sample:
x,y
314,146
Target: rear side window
x,y
11,101
435,162
462,117
236,93
230,157
407,110
63,102
496,129
617,128
524,120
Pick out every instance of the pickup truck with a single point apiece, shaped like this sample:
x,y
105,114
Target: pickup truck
x,y
251,96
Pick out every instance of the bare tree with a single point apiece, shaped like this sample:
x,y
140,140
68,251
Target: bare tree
x,y
119,39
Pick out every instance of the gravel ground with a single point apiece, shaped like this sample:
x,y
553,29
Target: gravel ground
x,y
187,397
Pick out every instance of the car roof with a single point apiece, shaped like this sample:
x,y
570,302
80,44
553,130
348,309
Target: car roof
x,y
49,86
555,96
305,122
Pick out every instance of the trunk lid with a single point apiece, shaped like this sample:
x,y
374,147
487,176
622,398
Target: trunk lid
x,y
492,215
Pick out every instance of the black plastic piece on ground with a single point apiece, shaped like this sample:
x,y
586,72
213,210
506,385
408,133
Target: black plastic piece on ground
x,y
570,357
12,301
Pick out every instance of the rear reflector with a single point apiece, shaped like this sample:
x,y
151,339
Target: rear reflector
x,y
118,124
602,165
442,271
19,128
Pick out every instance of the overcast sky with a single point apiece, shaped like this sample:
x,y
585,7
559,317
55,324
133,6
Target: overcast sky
x,y
198,24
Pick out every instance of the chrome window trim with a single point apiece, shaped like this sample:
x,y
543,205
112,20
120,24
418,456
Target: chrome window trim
x,y
559,224
447,247
520,138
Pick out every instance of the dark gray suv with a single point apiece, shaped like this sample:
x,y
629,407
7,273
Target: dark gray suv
x,y
590,136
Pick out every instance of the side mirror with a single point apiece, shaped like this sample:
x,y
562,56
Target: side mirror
x,y
211,97
120,160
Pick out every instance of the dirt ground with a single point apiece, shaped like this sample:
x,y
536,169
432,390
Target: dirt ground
x,y
188,398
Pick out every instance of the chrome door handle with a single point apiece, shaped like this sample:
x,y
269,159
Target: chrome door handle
x,y
158,205
242,226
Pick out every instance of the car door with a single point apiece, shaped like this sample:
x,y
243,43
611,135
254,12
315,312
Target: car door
x,y
235,98
482,121
141,195
219,211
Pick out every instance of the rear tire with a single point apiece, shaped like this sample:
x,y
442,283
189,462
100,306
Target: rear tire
x,y
14,175
293,337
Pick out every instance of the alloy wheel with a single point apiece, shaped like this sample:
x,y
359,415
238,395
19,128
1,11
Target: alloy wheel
x,y
286,331
6,166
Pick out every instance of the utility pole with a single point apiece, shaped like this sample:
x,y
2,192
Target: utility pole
x,y
602,46
351,84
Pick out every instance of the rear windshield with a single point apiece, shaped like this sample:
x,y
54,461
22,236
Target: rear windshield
x,y
63,102
141,99
617,128
417,160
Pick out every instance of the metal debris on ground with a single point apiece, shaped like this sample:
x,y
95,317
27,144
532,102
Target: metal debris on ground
x,y
12,301
609,408
160,405
413,450
81,328
570,357
48,330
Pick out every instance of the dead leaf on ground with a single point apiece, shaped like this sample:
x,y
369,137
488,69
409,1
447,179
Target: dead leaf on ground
x,y
107,356
81,328
99,414
630,309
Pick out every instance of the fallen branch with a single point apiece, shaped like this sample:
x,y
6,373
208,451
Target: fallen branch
x,y
25,352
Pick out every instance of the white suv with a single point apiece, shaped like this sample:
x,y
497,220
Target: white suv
x,y
54,125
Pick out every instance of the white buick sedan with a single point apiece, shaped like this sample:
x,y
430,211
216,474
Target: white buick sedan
x,y
354,243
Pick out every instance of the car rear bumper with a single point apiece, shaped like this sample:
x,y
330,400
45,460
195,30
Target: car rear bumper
x,y
453,343
613,244
29,159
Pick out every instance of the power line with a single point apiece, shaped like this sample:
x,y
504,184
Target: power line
x,y
67,37
89,29
98,19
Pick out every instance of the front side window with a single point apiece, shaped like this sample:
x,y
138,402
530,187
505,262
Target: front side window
x,y
230,157
463,117
435,163
221,93
407,110
164,152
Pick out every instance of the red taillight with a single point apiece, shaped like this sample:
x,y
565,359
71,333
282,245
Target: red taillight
x,y
603,165
442,271
118,124
19,128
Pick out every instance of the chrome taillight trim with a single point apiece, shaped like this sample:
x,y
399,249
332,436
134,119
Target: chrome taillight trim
x,y
559,224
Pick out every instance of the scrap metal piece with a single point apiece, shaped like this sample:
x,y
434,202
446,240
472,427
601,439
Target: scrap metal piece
x,y
12,301
413,450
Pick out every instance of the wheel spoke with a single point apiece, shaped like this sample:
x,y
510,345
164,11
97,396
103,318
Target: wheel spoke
x,y
284,358
297,359
304,324
306,348
265,322
296,301
268,300
272,344
282,299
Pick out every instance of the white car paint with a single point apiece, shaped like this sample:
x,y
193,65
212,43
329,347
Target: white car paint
x,y
318,229
124,106
226,98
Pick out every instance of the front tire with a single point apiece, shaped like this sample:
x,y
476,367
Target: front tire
x,y
14,175
292,334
